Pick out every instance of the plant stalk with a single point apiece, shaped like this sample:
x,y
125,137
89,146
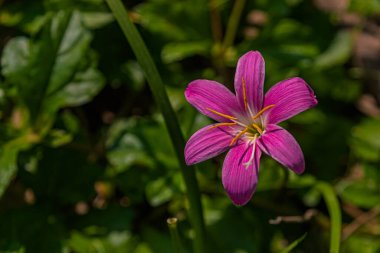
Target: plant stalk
x,y
172,224
333,207
158,89
233,24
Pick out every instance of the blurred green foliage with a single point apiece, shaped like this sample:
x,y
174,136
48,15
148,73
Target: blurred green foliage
x,y
86,163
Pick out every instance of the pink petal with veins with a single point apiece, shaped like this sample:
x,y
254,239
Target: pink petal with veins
x,y
205,95
251,69
207,143
290,97
281,146
239,181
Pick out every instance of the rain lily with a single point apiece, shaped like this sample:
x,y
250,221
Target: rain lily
x,y
247,124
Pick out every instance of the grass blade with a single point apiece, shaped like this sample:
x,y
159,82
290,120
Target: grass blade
x,y
293,244
333,207
156,85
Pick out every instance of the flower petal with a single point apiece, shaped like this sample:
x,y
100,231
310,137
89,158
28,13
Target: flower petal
x,y
249,80
239,181
207,142
206,94
290,97
281,146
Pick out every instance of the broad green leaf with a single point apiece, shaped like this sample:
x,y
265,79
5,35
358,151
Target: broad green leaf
x,y
83,86
125,148
141,143
15,59
65,77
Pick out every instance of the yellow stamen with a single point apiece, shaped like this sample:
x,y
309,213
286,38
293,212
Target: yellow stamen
x,y
223,124
244,93
262,111
254,137
258,129
222,114
238,136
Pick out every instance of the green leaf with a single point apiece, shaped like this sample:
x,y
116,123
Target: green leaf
x,y
58,137
15,58
8,159
363,243
332,203
67,75
363,191
138,142
158,89
365,141
288,28
115,241
360,194
293,244
338,53
27,16
176,20
97,20
159,191
81,89
178,51
366,7
8,156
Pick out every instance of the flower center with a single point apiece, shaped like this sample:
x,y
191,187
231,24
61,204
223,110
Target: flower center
x,y
251,130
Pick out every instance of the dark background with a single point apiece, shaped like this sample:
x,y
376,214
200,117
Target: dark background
x,y
86,164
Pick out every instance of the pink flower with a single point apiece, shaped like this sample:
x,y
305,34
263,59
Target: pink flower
x,y
247,124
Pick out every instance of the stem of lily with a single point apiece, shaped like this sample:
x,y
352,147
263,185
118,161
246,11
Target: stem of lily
x,y
333,207
158,89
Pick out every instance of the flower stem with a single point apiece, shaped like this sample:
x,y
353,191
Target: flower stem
x,y
172,224
233,24
156,85
216,23
333,207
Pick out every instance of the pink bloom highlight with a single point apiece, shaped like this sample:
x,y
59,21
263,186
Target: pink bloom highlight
x,y
247,124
